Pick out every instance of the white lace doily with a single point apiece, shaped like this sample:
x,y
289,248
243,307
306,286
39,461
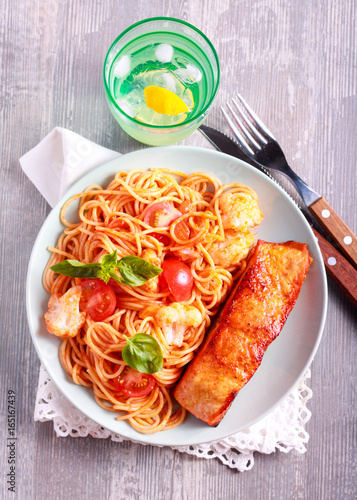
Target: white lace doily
x,y
283,429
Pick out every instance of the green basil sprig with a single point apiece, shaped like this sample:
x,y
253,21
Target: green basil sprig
x,y
134,271
143,353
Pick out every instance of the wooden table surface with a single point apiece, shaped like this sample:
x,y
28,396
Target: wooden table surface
x,y
295,62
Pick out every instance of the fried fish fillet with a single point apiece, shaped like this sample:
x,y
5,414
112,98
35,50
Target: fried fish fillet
x,y
250,320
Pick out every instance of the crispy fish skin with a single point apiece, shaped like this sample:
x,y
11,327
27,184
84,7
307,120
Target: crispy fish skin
x,y
250,320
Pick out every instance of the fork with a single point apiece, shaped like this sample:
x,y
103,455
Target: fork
x,y
259,144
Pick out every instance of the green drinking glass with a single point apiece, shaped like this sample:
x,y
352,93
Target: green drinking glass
x,y
161,76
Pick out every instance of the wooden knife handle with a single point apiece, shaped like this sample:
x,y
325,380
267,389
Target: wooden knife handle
x,y
338,268
336,228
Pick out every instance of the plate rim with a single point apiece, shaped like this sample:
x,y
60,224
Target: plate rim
x,y
133,435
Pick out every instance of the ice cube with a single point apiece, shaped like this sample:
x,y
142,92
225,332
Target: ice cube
x,y
188,75
133,102
164,52
165,80
122,67
135,99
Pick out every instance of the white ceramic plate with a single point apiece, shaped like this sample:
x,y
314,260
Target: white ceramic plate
x,y
287,358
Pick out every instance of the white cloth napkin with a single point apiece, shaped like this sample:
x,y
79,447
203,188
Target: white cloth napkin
x,y
60,159
53,166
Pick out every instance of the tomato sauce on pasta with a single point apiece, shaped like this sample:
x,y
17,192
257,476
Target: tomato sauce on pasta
x,y
205,235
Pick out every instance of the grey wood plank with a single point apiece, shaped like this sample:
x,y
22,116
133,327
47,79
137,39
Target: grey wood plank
x,y
295,62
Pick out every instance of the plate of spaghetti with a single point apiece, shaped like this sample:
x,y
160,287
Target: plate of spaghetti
x,y
129,271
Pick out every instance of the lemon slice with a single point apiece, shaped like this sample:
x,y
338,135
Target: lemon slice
x,y
164,101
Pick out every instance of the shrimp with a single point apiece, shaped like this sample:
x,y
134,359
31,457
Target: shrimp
x,y
152,285
239,211
235,248
175,319
63,317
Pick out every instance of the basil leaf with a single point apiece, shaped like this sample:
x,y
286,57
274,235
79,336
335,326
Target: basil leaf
x,y
116,278
76,269
143,353
135,271
110,260
108,264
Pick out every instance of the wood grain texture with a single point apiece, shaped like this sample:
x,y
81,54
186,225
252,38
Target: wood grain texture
x,y
339,268
295,63
336,228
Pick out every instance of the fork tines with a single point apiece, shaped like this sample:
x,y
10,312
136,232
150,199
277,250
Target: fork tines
x,y
248,129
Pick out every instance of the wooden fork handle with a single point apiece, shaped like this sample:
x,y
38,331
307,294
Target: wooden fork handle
x,y
336,228
338,268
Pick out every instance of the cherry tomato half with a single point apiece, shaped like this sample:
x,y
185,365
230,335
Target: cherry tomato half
x,y
178,278
98,299
160,214
115,286
164,239
133,383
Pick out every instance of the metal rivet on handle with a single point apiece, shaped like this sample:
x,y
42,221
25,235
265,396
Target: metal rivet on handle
x,y
331,261
347,240
325,213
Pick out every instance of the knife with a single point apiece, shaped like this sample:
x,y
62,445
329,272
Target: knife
x,y
337,267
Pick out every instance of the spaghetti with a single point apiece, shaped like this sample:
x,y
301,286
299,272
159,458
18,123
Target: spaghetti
x,y
202,236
